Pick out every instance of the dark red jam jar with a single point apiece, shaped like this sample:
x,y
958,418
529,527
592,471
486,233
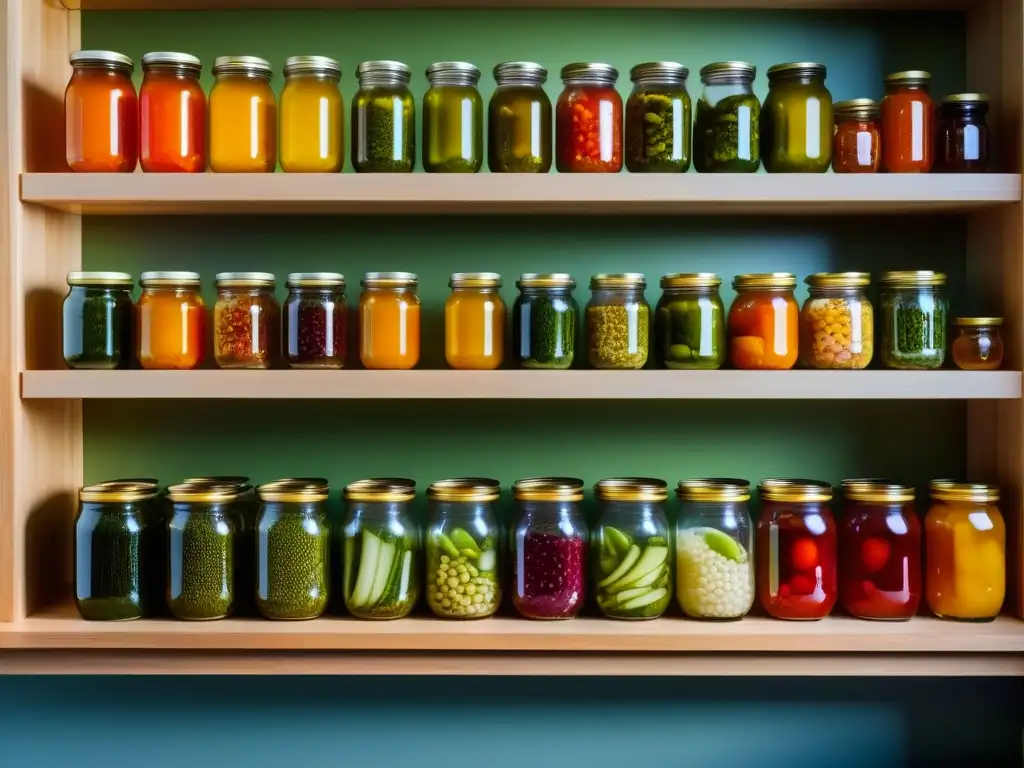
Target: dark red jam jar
x,y
315,320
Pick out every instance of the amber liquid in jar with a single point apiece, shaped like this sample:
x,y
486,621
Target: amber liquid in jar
x,y
978,345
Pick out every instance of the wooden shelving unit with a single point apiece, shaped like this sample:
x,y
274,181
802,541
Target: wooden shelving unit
x,y
181,5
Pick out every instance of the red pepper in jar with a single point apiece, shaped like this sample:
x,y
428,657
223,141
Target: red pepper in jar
x,y
588,120
247,320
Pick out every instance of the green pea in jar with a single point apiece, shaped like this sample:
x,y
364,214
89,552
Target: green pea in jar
x,y
689,322
914,314
618,321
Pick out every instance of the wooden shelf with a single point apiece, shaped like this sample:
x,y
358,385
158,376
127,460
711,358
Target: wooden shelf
x,y
212,193
134,5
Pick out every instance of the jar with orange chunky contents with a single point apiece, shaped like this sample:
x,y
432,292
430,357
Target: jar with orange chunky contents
x,y
246,321
856,146
837,322
978,345
588,120
764,322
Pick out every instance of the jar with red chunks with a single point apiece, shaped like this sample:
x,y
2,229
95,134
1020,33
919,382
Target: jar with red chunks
x,y
246,321
795,549
880,550
588,120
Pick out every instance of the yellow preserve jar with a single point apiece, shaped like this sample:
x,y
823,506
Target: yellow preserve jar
x,y
312,121
796,120
453,119
243,116
474,322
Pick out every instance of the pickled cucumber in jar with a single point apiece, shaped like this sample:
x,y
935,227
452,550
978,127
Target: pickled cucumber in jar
x,y
689,323
726,138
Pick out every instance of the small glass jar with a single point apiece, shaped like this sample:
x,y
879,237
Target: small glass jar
x,y
588,120
837,322
913,320
474,322
246,321
714,549
101,113
764,322
463,576
632,566
965,552
243,116
544,320
796,549
961,134
689,322
453,119
978,345
549,548
726,134
659,119
796,119
389,321
618,321
315,320
172,114
383,119
312,116
170,321
293,542
97,314
857,144
382,543
519,124
908,116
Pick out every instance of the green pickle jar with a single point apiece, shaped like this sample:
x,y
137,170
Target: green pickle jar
x,y
725,137
796,120
658,119
689,322
383,119
453,119
544,320
98,321
519,120
618,321
913,317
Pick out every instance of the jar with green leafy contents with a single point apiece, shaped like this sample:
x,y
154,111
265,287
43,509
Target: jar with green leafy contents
x,y
382,549
658,119
462,578
544,321
913,319
292,550
453,119
726,134
519,123
618,321
98,321
383,119
796,119
632,543
689,322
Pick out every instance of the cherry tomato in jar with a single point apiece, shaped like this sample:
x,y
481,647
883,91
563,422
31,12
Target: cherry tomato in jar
x,y
804,555
874,554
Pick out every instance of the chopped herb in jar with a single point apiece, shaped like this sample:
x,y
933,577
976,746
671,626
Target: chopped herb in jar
x,y
617,335
97,328
544,331
293,567
108,564
202,565
385,140
913,333
725,137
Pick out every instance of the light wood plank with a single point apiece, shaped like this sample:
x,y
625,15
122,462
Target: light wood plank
x,y
501,4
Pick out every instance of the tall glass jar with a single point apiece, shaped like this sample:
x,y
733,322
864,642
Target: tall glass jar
x,y
453,119
913,319
764,322
857,144
908,117
315,320
544,321
588,120
312,116
965,551
618,321
172,114
961,134
726,129
293,542
463,575
97,315
243,116
101,113
474,322
389,321
837,322
714,549
659,119
633,564
796,120
978,345
170,321
382,541
796,549
519,122
246,320
689,322
383,119
549,548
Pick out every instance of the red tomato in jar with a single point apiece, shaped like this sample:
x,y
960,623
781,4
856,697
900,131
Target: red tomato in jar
x,y
874,554
802,585
804,555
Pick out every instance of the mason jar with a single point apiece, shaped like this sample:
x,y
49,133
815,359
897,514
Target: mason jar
x,y
383,119
588,120
97,316
726,128
170,315
101,113
246,321
961,134
243,116
796,120
978,345
474,322
312,130
913,319
908,123
519,120
689,322
837,322
389,321
658,119
315,320
618,321
544,320
453,119
764,322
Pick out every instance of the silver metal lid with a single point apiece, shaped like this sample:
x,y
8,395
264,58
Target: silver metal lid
x,y
169,278
383,71
312,65
315,280
589,72
528,72
453,73
726,72
659,71
796,69
241,279
111,59
100,278
475,280
172,60
252,66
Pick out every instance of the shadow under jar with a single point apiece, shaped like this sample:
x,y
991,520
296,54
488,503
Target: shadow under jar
x,y
908,117
658,119
978,345
588,120
97,321
101,113
689,322
243,116
857,144
246,321
618,321
453,119
383,119
913,319
389,321
519,120
544,321
961,134
172,114
797,125
312,116
837,322
726,129
474,322
315,320
170,331
764,322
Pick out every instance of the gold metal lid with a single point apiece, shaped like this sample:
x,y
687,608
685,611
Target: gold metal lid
x,y
525,72
798,491
172,61
294,491
966,98
855,109
794,69
111,59
838,280
151,481
618,280
949,490
383,71
548,489
245,280
589,72
465,489
726,72
765,281
236,480
253,66
631,489
121,279
117,492
475,280
912,279
170,278
691,280
203,493
322,66
977,322
390,280
713,489
877,491
546,280
453,73
315,280
909,77
381,489
659,72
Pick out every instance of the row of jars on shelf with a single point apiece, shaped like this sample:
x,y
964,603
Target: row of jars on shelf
x,y
166,127
765,328
213,546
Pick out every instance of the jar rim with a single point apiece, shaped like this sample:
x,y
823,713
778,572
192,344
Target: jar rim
x,y
453,73
87,279
236,480
170,279
908,77
912,278
383,69
172,60
951,490
863,109
713,489
389,280
966,99
977,322
203,493
548,489
117,492
546,280
515,71
589,72
475,280
618,280
838,280
292,490
465,489
691,280
253,66
113,59
794,490
631,489
877,490
245,280
315,280
312,65
727,72
793,69
764,280
381,489
659,70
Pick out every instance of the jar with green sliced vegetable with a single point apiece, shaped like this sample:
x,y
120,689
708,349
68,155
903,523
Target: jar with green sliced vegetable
x,y
689,322
914,314
544,320
726,133
658,119
382,545
383,119
97,315
618,321
453,119
519,124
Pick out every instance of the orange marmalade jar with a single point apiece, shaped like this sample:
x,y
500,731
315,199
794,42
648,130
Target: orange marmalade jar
x,y
908,123
764,322
172,114
389,321
171,321
101,113
474,322
856,146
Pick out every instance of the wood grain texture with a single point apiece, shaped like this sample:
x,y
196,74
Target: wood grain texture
x,y
504,4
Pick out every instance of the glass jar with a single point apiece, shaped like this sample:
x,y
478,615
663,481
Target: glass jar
x,y
171,321
519,124
961,134
544,321
726,130
837,322
714,549
453,119
796,549
856,146
315,320
588,120
383,119
880,550
101,113
389,321
549,548
764,322
965,552
978,345
633,567
293,542
463,576
382,549
172,114
97,314
659,119
618,321
913,321
474,322
312,116
908,114
689,322
246,320
796,120
243,116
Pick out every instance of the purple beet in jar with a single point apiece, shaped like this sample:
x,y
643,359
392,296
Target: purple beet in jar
x,y
315,320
